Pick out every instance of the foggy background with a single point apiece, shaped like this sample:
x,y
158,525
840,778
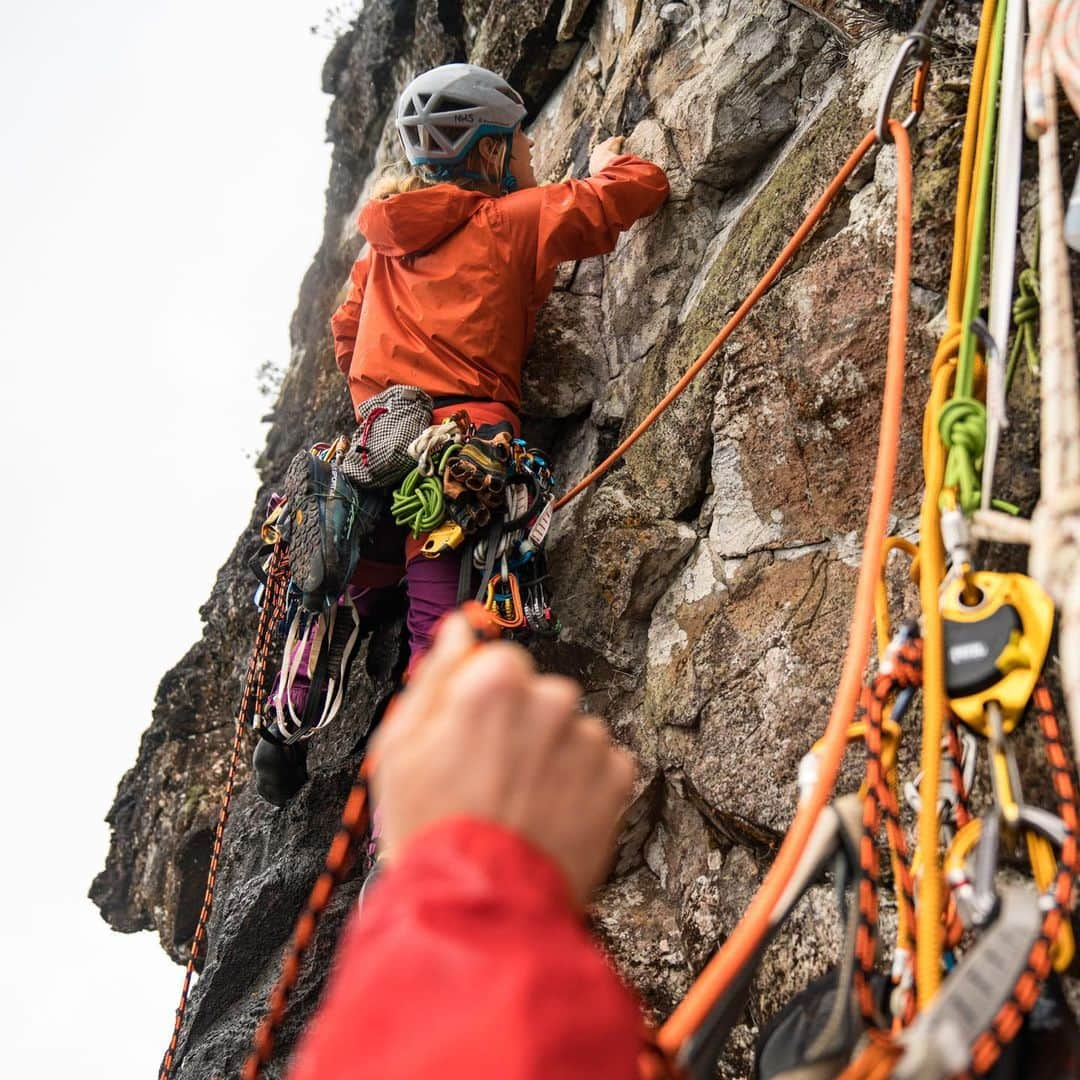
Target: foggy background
x,y
161,196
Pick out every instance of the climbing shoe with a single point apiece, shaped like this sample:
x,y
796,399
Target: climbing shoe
x,y
326,522
280,770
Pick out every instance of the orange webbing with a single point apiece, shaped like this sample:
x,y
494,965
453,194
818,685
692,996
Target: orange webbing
x,y
759,290
273,609
737,951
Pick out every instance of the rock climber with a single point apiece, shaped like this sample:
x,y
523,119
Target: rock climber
x,y
462,246
500,805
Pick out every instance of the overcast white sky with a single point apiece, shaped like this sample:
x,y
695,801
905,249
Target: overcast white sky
x,y
161,195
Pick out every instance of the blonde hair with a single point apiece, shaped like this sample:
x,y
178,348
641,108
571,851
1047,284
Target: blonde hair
x,y
401,176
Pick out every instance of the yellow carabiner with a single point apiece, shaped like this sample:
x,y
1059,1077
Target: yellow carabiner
x,y
1044,870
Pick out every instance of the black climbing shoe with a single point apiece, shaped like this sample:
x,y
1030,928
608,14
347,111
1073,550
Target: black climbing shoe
x,y
280,770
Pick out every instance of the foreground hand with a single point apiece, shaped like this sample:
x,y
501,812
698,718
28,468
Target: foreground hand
x,y
602,154
478,732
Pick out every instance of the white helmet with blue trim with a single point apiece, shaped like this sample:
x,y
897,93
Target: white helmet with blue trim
x,y
442,114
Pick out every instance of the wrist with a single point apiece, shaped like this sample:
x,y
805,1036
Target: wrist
x,y
499,854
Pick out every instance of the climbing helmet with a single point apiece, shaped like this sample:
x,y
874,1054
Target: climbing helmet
x,y
443,113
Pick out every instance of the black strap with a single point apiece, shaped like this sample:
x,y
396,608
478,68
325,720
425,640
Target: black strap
x,y
449,400
494,534
464,585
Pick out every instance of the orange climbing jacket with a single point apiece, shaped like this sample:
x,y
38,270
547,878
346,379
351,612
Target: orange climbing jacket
x,y
446,295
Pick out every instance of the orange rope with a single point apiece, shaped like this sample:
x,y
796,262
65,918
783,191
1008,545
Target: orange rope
x,y
875,1062
273,609
759,290
354,824
737,951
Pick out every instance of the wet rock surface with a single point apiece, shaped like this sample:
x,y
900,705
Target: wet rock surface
x,y
706,584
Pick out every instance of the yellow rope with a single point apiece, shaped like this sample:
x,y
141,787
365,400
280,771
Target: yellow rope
x,y
882,621
931,562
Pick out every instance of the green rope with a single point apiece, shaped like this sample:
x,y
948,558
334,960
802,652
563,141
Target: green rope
x,y
418,501
1026,319
962,423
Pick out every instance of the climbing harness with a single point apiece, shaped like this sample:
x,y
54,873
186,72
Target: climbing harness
x,y
273,606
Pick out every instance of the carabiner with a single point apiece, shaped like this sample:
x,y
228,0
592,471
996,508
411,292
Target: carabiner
x,y
915,46
504,608
983,899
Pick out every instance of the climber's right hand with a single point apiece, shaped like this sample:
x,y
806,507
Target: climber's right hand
x,y
604,152
480,733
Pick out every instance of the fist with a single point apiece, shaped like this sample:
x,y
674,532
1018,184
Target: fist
x,y
479,732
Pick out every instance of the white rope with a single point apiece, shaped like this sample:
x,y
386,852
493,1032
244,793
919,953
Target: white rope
x,y
1055,548
428,446
1000,528
1010,137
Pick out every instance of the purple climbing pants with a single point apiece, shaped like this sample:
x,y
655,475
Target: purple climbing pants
x,y
431,584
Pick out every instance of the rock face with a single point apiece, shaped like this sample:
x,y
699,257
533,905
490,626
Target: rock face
x,y
706,584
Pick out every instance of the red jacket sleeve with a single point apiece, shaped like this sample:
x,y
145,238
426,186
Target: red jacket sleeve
x,y
468,961
579,218
345,320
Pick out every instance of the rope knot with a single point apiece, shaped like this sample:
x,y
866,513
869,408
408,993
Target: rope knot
x,y
1025,313
962,425
1026,305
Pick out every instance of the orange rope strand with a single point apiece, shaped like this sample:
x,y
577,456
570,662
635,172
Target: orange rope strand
x,y
759,290
736,952
273,609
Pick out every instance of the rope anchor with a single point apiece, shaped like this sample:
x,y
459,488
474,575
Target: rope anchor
x,y
915,47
